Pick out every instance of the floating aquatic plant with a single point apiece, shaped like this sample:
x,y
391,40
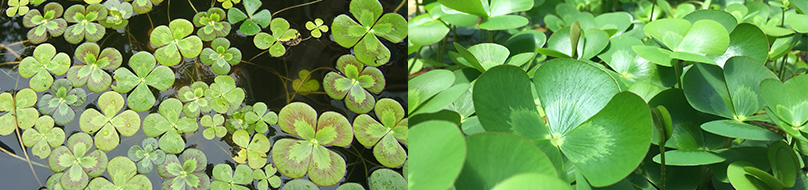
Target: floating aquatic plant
x,y
77,161
220,56
212,24
387,179
253,22
255,148
295,158
265,117
354,83
146,74
44,62
118,14
109,124
317,27
43,137
174,42
384,136
226,179
92,73
123,174
267,177
362,36
227,4
143,6
61,100
19,112
16,7
169,123
147,156
187,172
223,94
304,84
193,97
214,126
85,26
45,24
274,42
241,118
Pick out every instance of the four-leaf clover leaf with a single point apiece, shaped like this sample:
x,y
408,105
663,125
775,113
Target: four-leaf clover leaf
x,y
223,94
77,162
267,177
44,24
280,33
227,179
143,6
317,27
253,22
59,102
382,136
118,15
265,116
362,35
146,156
109,123
227,4
93,73
170,122
43,137
219,57
305,84
214,126
193,97
188,174
354,83
17,6
174,42
123,174
45,59
20,113
159,77
85,26
256,149
212,24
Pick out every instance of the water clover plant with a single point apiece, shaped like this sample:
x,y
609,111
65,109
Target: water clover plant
x,y
274,42
267,177
44,62
494,15
143,6
241,118
109,124
685,41
43,137
223,94
227,4
92,73
212,24
301,184
19,112
265,117
387,179
785,106
214,126
84,26
226,179
317,27
362,35
253,22
187,172
60,101
355,84
169,123
255,148
220,56
147,156
193,97
146,74
78,162
17,7
384,137
45,24
174,40
295,158
123,174
304,84
118,14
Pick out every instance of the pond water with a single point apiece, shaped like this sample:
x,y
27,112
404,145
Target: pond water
x,y
265,79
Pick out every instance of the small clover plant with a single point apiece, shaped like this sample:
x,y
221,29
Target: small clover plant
x,y
146,74
492,15
220,56
19,112
60,102
212,24
255,148
223,94
92,73
45,24
274,42
174,42
317,27
124,176
44,62
193,97
384,136
362,36
300,184
295,158
265,117
77,161
147,156
170,124
387,179
785,106
110,123
355,84
85,26
241,118
188,172
43,137
118,14
267,177
226,179
305,84
253,22
16,7
143,6
227,4
214,126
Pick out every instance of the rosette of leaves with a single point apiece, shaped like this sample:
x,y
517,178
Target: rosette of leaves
x,y
147,156
143,6
169,123
123,174
253,22
265,117
223,94
92,73
317,27
49,23
43,137
685,41
227,4
785,106
59,102
174,42
44,62
226,179
274,42
118,14
355,84
19,112
214,126
362,35
188,174
241,118
384,137
267,177
85,26
146,74
109,124
305,84
193,97
77,161
212,24
17,6
219,57
295,158
254,149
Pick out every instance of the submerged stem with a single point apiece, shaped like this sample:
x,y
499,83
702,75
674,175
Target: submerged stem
x,y
295,6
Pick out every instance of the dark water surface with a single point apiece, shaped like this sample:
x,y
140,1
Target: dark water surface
x,y
261,81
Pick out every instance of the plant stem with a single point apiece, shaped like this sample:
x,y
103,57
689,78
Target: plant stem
x,y
417,53
399,6
192,6
662,155
677,68
21,158
295,6
490,36
782,73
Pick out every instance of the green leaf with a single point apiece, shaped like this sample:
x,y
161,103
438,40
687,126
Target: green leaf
x,y
784,163
705,37
493,157
301,184
670,32
688,158
489,54
387,179
442,150
798,22
736,129
740,178
532,180
425,86
746,40
785,102
724,18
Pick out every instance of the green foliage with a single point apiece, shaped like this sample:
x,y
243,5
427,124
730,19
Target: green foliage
x,y
193,97
143,6
267,177
146,74
147,155
17,6
214,126
118,15
77,161
174,42
187,172
122,171
227,179
304,84
255,149
44,62
387,179
224,94
18,111
355,84
227,4
212,24
253,22
362,36
110,123
44,25
274,42
43,137
92,73
85,23
168,123
384,137
61,101
219,57
317,27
